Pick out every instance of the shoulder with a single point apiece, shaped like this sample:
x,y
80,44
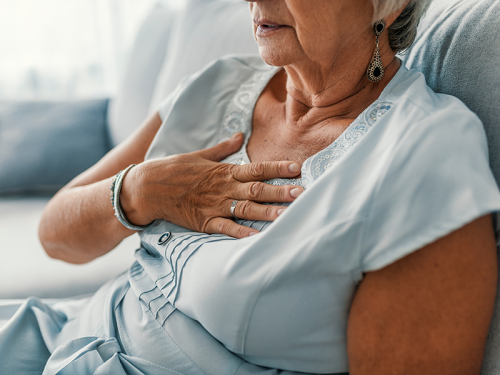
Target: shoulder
x,y
231,70
426,119
193,114
419,102
220,76
432,137
228,73
434,172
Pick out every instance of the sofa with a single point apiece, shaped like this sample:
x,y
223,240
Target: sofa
x,y
43,145
457,48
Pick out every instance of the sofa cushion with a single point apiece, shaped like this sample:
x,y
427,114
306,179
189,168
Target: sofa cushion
x,y
43,145
26,270
130,107
458,50
206,30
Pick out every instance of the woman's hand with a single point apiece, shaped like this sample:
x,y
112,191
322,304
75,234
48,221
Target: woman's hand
x,y
193,190
196,191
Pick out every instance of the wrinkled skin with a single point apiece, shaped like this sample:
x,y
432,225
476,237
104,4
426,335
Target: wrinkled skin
x,y
195,191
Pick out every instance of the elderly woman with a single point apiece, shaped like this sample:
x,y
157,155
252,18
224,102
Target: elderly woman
x,y
384,263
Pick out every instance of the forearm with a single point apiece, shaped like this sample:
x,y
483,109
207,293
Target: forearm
x,y
78,225
192,190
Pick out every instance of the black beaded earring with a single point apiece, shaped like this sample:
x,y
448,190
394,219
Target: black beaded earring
x,y
375,70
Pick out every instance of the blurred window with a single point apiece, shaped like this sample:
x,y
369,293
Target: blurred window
x,y
63,49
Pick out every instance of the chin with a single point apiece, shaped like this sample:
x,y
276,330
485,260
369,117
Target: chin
x,y
271,57
275,56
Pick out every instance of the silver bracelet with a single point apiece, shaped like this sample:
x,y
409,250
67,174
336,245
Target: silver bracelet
x,y
116,187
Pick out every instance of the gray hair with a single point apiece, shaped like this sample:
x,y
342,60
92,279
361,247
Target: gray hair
x,y
403,31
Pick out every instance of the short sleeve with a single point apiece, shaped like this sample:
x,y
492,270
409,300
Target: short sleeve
x,y
164,110
193,115
167,104
437,181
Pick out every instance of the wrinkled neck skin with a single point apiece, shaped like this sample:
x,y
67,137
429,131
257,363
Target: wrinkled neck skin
x,y
315,92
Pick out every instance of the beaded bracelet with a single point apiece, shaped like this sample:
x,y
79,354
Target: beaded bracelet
x,y
116,187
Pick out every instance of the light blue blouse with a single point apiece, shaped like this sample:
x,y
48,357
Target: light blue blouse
x,y
410,169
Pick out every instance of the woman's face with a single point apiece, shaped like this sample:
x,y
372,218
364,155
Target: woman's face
x,y
295,31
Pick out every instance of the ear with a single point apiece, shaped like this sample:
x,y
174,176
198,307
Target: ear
x,y
389,20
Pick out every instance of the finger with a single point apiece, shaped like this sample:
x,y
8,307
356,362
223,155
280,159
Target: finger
x,y
249,210
228,227
262,192
223,149
266,170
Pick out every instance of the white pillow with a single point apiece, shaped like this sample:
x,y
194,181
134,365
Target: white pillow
x,y
207,30
130,107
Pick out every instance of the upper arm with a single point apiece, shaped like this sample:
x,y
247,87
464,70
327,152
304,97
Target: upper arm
x,y
131,151
429,312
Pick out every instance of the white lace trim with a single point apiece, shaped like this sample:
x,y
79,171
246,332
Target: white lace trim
x,y
317,164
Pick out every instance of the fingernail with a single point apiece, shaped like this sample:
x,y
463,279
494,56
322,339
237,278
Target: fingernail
x,y
235,135
280,211
252,234
296,192
294,168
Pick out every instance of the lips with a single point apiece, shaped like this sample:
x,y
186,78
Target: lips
x,y
267,27
266,23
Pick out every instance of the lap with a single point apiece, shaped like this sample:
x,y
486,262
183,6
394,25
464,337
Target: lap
x,y
114,332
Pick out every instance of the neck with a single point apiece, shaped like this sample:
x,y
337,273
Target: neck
x,y
315,95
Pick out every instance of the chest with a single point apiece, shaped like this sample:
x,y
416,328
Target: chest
x,y
275,138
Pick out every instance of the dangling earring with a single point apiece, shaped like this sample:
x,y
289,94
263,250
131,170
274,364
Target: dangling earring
x,y
375,70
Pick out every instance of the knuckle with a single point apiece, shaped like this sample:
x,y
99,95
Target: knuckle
x,y
256,170
244,209
209,226
255,190
241,232
222,226
281,169
283,193
230,169
269,212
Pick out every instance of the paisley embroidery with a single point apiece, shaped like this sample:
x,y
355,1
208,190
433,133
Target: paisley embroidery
x,y
378,112
234,124
238,115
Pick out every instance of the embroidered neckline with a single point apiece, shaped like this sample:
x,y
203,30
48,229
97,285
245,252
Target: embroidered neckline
x,y
239,115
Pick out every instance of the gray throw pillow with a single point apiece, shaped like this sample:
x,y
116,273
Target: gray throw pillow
x,y
43,145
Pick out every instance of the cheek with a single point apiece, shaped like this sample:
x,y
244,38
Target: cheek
x,y
317,40
329,27
317,28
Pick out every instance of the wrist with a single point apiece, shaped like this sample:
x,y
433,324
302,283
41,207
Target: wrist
x,y
130,199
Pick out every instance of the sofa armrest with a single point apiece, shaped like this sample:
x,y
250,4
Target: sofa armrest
x,y
25,268
44,144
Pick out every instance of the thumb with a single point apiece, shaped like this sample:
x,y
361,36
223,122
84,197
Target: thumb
x,y
223,149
